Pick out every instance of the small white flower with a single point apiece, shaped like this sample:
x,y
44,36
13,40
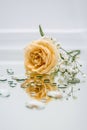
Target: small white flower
x,y
75,71
61,80
69,69
62,68
65,56
84,76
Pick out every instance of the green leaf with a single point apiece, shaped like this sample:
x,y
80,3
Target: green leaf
x,y
74,52
62,87
74,81
41,31
61,56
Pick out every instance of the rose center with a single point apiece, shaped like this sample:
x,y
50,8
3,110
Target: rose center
x,y
36,58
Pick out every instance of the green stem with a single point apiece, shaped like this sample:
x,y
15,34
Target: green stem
x,y
69,53
41,31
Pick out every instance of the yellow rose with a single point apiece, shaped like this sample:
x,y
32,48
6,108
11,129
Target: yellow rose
x,y
41,56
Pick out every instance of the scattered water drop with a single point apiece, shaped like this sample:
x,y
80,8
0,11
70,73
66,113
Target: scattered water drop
x,y
10,71
19,78
35,104
3,78
4,93
54,94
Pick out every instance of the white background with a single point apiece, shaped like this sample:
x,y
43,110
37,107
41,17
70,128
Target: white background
x,y
66,20
51,14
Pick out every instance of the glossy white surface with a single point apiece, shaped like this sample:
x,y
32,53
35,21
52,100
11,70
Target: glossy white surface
x,y
58,114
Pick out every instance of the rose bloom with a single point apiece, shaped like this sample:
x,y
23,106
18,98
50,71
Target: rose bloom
x,y
41,56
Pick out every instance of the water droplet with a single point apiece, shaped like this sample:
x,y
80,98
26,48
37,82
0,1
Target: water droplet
x,y
10,71
19,78
84,75
3,78
4,93
54,94
67,98
35,104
